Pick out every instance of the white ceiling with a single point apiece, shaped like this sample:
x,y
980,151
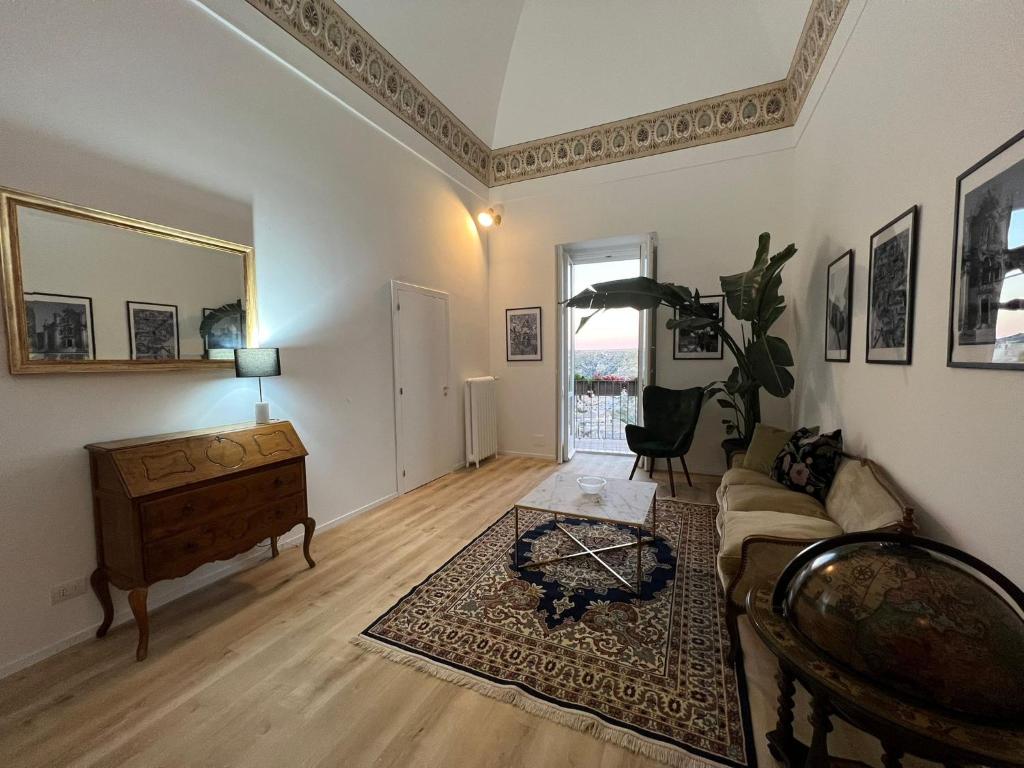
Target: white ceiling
x,y
459,49
517,70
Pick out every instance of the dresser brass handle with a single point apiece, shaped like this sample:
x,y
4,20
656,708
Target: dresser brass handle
x,y
278,482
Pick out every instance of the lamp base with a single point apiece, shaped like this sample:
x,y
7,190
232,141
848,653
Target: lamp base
x,y
262,413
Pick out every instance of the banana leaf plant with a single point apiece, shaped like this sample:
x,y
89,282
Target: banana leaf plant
x,y
754,298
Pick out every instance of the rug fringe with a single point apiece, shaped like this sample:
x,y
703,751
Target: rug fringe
x,y
580,721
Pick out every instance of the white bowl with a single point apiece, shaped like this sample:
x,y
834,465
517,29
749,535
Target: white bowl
x,y
590,484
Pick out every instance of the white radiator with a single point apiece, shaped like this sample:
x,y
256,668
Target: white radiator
x,y
481,419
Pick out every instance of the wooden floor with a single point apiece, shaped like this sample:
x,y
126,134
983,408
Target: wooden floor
x,y
257,669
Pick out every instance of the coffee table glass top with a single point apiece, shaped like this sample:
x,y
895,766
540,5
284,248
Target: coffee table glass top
x,y
622,501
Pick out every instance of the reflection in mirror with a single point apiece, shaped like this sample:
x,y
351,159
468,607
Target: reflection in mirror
x,y
147,293
96,287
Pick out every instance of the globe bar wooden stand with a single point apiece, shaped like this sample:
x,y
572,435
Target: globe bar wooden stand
x,y
902,727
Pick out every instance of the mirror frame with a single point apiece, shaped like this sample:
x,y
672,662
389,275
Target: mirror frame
x,y
14,296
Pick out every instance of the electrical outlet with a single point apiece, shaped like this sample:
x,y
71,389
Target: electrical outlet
x,y
69,589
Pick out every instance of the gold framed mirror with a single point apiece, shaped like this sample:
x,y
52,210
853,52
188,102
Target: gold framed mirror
x,y
90,291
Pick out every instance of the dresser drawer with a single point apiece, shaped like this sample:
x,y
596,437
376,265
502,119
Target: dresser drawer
x,y
222,538
172,515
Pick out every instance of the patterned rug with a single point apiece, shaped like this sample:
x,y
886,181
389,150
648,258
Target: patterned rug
x,y
568,641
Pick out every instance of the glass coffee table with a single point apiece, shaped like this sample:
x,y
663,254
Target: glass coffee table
x,y
622,502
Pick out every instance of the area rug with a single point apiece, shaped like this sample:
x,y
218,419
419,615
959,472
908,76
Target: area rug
x,y
569,642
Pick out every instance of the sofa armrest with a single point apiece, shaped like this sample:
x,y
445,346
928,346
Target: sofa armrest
x,y
762,560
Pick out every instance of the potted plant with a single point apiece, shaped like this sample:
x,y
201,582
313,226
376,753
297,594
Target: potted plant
x,y
754,298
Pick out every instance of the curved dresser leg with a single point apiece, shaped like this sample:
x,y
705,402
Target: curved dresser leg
x,y
137,601
310,525
273,547
101,587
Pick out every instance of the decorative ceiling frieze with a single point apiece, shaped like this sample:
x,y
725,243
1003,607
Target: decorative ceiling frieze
x,y
744,113
328,31
325,29
819,29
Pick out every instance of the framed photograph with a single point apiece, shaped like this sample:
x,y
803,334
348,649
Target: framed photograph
x,y
838,309
522,334
704,344
226,335
890,337
986,303
59,327
153,331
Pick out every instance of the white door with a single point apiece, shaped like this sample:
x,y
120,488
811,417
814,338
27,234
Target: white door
x,y
423,401
647,352
566,346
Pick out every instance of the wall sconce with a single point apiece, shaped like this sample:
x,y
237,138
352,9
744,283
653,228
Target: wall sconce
x,y
490,218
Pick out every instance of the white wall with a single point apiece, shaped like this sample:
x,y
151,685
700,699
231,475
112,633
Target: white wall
x,y
923,90
158,111
707,218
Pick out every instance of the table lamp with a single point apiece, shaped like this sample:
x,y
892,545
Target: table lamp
x,y
259,362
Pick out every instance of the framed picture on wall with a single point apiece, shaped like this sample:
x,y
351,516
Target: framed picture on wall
x,y
890,334
59,327
704,344
153,331
986,304
523,334
838,309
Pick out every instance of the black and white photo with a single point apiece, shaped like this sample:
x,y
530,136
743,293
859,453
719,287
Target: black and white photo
x,y
226,331
153,331
838,309
890,336
704,344
522,334
59,327
987,300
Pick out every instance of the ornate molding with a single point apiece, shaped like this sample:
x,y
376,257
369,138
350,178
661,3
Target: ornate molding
x,y
743,113
325,29
328,31
819,28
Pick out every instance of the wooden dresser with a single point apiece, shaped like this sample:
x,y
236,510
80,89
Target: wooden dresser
x,y
166,504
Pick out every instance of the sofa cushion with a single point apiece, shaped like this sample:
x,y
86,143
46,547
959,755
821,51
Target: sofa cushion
x,y
862,499
764,447
740,525
808,463
741,476
747,498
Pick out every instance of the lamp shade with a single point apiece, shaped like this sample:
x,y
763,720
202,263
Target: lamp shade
x,y
263,361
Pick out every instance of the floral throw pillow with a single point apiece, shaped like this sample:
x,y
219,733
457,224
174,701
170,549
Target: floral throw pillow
x,y
808,462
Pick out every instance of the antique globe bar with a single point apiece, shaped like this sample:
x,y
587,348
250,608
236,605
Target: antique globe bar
x,y
910,639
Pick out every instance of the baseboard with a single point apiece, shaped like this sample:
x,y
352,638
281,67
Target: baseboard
x,y
545,456
230,567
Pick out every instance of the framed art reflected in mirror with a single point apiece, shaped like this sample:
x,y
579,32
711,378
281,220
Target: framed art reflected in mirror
x,y
986,313
90,291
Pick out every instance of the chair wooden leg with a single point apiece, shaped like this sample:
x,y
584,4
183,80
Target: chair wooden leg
x,y
635,465
650,468
689,482
671,477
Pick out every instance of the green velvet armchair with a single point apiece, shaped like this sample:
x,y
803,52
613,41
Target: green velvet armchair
x,y
670,420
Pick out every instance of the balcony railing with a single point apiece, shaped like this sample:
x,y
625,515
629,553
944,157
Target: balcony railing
x,y
601,411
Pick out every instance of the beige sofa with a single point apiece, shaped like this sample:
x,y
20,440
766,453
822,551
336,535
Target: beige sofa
x,y
763,525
